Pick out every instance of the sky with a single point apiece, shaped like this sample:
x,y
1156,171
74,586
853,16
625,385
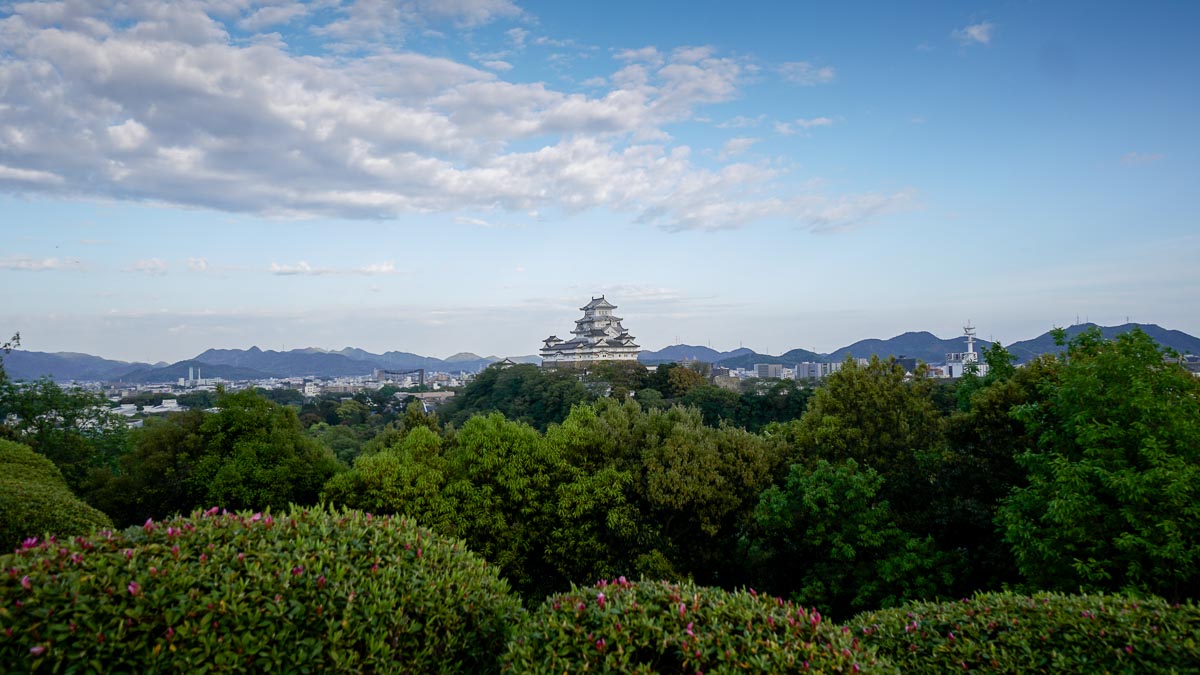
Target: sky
x,y
463,175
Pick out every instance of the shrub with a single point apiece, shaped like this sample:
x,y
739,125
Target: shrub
x,y
1002,632
35,499
657,626
313,589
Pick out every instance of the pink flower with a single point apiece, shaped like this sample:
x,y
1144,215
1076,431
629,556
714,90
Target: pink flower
x,y
128,553
297,571
134,588
37,651
1128,649
149,526
241,557
29,543
170,632
600,645
321,581
600,599
26,583
212,511
682,609
689,629
256,517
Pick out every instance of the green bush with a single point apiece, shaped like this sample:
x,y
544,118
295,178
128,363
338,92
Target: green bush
x,y
35,499
657,626
313,589
1002,632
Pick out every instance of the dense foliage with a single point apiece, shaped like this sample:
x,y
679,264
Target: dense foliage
x,y
299,591
612,489
1007,633
250,454
35,500
656,626
526,393
1114,476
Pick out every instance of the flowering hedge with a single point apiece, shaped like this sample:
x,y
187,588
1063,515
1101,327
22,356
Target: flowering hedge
x,y
311,589
35,499
657,626
1006,633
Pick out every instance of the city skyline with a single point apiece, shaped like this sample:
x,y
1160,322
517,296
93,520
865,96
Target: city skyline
x,y
438,178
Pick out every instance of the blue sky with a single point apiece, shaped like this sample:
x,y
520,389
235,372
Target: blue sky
x,y
451,176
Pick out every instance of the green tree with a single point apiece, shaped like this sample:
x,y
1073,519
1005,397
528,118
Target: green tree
x,y
524,392
154,479
256,456
7,347
1111,501
827,539
74,428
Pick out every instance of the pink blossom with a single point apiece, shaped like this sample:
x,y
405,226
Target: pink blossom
x,y
600,645
297,571
37,651
170,632
149,526
128,553
682,609
600,599
241,556
26,583
1128,649
321,581
134,588
29,543
689,629
256,517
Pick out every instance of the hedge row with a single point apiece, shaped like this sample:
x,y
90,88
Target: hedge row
x,y
34,499
1007,633
317,589
306,590
657,626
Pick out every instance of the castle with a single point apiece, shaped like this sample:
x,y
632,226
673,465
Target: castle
x,y
599,336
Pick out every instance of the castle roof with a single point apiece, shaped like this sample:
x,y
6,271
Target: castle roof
x,y
598,303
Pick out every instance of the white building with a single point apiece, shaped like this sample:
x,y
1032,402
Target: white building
x,y
599,336
959,363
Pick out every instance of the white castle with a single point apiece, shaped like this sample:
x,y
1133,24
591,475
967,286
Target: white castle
x,y
599,336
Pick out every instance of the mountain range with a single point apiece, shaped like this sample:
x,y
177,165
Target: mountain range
x,y
255,363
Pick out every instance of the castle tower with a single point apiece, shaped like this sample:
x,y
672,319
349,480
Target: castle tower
x,y
599,336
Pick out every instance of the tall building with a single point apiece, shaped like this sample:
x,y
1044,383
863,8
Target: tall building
x,y
599,336
960,363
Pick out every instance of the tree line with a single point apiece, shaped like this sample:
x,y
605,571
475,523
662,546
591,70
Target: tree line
x,y
1073,472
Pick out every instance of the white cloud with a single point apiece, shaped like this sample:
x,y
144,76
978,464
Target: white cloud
x,y
500,66
741,122
12,173
197,264
976,33
806,74
737,146
152,266
27,264
197,118
274,15
128,135
302,268
790,128
1141,158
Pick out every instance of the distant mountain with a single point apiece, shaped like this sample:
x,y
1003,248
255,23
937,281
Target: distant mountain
x,y
921,345
1027,350
677,353
294,363
65,366
254,363
748,358
178,370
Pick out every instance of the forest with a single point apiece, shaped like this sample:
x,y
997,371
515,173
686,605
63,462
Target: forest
x,y
1073,474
